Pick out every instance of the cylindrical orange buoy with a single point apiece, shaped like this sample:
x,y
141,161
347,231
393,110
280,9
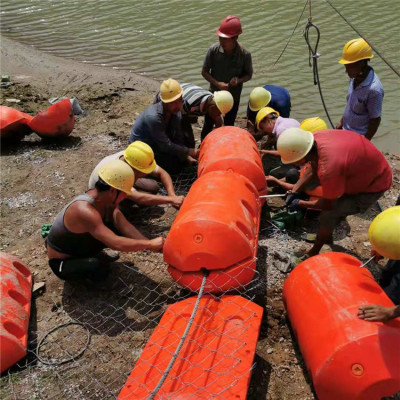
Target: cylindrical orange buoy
x,y
13,124
57,120
216,229
348,358
15,306
232,149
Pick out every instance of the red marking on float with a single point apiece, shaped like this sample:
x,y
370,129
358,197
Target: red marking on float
x,y
348,358
15,306
216,229
215,360
232,149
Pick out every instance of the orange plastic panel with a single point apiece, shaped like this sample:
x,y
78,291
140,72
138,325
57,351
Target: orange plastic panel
x,y
57,120
15,306
216,359
232,149
13,123
347,358
217,229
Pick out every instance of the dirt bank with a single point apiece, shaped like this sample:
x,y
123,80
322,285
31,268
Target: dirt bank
x,y
39,177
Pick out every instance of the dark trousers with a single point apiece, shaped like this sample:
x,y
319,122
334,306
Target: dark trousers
x,y
71,269
390,280
229,120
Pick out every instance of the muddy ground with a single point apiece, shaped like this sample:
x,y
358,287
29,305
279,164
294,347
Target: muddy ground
x,y
39,177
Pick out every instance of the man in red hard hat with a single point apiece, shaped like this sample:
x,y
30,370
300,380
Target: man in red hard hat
x,y
227,66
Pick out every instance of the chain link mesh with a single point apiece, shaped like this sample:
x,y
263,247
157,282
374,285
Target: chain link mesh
x,y
119,316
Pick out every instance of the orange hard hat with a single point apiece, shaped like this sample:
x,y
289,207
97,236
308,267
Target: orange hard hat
x,y
230,27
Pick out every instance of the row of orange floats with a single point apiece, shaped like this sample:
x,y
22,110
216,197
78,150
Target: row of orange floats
x,y
57,120
216,230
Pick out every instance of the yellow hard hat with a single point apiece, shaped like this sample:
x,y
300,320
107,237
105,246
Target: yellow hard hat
x,y
313,124
384,233
118,175
294,144
259,98
356,50
224,101
140,156
170,90
263,113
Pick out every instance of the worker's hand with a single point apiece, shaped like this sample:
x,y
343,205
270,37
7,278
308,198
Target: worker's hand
x,y
375,312
176,201
291,196
250,127
157,244
234,82
223,86
194,153
294,205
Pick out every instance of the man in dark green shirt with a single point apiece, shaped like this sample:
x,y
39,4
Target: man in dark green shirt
x,y
227,66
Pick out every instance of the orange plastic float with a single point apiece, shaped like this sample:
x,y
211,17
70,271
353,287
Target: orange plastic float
x,y
15,306
232,149
216,229
57,120
216,358
13,123
347,358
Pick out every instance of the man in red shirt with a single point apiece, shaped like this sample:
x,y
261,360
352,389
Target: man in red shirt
x,y
353,174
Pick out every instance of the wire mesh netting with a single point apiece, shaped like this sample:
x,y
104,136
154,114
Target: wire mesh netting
x,y
87,346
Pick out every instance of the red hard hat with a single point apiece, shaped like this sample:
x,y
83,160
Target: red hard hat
x,y
230,27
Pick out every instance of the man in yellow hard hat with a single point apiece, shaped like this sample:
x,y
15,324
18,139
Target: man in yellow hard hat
x,y
201,102
352,172
273,96
160,127
384,235
365,91
140,157
92,222
227,66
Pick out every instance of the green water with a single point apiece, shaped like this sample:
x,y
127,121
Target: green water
x,y
170,38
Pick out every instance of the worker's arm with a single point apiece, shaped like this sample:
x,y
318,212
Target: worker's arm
x,y
135,241
372,127
270,152
284,185
148,199
319,204
165,178
306,178
340,124
378,313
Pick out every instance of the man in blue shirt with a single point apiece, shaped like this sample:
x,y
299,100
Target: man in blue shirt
x,y
365,92
160,127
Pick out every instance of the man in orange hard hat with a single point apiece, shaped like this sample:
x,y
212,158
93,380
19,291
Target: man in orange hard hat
x,y
159,126
365,91
227,66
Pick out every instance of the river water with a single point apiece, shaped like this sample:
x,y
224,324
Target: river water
x,y
170,38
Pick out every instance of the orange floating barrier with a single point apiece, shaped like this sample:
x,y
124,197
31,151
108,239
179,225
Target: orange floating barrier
x,y
216,358
13,123
216,229
15,306
348,358
232,149
57,120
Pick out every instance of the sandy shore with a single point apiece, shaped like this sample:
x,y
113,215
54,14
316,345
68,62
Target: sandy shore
x,y
38,178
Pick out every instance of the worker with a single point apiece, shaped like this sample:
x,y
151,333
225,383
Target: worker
x,y
92,222
200,102
270,125
272,96
384,235
160,127
227,66
365,91
353,174
140,157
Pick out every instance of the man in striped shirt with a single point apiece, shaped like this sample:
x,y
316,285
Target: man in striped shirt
x,y
200,102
